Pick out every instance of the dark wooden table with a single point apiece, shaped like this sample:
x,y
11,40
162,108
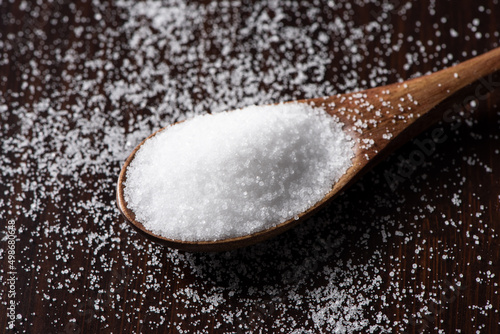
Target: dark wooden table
x,y
412,247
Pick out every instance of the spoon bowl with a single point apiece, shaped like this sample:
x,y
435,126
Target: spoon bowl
x,y
379,120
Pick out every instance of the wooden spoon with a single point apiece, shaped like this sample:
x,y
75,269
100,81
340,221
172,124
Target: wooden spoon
x,y
379,119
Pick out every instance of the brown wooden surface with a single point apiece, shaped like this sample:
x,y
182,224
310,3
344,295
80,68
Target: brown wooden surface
x,y
431,238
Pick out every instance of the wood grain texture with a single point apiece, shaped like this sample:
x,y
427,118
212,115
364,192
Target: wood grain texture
x,y
428,232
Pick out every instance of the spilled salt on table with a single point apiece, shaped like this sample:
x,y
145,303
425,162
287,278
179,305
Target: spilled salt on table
x,y
235,173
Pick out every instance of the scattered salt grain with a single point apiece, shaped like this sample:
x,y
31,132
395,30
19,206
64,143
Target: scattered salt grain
x,y
456,200
234,173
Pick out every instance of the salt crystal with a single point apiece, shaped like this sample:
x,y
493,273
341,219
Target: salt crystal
x,y
235,173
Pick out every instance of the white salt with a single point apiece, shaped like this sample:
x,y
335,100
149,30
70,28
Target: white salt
x,y
235,173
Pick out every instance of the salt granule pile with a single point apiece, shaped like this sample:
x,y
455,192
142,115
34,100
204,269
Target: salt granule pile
x,y
235,173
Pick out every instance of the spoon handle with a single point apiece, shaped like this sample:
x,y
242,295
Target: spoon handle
x,y
381,119
432,89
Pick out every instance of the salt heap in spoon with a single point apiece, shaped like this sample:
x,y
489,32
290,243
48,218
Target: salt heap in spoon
x,y
235,173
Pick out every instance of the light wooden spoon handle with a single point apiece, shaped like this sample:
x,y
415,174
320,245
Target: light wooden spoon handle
x,y
432,89
390,110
